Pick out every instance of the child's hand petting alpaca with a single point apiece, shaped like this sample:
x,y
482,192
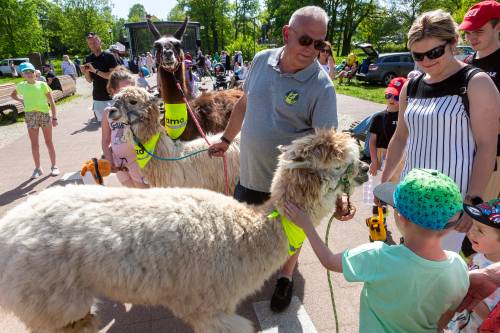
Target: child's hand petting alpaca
x,y
297,216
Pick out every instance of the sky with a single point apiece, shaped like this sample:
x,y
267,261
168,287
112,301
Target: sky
x,y
159,8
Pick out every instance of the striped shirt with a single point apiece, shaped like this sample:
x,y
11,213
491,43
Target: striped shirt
x,y
440,135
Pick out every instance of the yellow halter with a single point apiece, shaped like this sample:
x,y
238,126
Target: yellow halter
x,y
296,236
175,119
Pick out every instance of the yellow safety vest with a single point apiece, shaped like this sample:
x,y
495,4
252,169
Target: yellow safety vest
x,y
143,157
175,119
296,236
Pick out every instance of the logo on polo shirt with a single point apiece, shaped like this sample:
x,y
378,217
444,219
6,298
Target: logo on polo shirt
x,y
291,97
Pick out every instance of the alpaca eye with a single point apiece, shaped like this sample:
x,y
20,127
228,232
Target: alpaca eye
x,y
133,102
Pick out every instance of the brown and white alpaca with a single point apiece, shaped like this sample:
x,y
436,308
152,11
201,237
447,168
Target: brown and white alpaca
x,y
212,109
139,108
194,251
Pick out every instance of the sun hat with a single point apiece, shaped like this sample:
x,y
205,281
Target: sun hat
x,y
26,66
425,197
480,14
394,87
486,212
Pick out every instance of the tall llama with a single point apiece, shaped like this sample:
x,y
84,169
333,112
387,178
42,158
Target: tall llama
x,y
212,109
194,251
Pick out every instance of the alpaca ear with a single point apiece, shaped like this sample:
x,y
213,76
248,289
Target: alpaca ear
x,y
179,33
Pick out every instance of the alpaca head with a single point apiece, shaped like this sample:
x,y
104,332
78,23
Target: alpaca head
x,y
314,169
138,108
168,49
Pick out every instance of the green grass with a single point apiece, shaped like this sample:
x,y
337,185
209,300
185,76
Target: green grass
x,y
67,99
369,92
9,79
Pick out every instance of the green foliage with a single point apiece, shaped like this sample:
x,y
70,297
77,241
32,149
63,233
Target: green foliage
x,y
246,46
177,13
137,13
20,30
392,47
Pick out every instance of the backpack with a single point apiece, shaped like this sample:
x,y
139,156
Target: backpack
x,y
415,83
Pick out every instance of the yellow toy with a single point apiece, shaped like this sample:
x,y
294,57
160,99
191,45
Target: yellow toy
x,y
95,169
376,224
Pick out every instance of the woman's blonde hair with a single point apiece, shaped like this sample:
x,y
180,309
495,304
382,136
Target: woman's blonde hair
x,y
118,74
437,23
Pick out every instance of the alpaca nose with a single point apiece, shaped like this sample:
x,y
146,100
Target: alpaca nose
x,y
112,112
169,53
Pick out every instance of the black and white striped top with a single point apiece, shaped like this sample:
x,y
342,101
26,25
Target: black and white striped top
x,y
440,135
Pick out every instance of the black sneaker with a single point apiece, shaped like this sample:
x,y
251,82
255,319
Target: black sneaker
x,y
282,295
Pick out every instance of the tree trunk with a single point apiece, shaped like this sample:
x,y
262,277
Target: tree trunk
x,y
215,34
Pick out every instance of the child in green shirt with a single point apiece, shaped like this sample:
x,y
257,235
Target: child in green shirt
x,y
36,98
410,287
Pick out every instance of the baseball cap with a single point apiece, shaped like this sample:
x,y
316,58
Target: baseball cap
x,y
425,197
479,14
486,212
394,87
26,66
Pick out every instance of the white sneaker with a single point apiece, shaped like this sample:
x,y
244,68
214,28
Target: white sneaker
x,y
36,173
55,171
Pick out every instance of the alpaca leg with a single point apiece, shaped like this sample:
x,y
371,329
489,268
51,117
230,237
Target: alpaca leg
x,y
224,323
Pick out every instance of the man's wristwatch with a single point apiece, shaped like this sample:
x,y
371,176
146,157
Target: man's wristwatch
x,y
96,71
473,199
225,140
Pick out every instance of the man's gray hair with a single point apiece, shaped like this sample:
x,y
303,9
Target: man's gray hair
x,y
314,12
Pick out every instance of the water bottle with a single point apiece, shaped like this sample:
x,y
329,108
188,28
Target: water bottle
x,y
368,191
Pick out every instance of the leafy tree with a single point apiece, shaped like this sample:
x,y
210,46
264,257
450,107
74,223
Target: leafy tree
x,y
82,16
20,29
177,13
136,13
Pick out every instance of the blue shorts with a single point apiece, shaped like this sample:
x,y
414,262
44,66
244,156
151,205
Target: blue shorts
x,y
99,106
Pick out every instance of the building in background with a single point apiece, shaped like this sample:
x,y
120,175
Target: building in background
x,y
141,40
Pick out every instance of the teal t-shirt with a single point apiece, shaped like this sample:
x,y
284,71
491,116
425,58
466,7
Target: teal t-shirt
x,y
34,96
403,292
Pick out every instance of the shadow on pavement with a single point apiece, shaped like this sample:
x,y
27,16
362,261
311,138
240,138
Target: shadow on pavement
x,y
90,126
23,189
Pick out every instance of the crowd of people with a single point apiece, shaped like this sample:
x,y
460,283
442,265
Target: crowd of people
x,y
436,144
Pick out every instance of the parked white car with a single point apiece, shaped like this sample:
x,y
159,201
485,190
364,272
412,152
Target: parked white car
x,y
5,65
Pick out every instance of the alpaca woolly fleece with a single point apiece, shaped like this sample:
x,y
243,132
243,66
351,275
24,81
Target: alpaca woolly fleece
x,y
194,251
139,108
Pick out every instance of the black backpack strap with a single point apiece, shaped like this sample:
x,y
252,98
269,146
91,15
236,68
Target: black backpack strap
x,y
413,88
471,71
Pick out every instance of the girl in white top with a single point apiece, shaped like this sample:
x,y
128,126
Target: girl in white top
x,y
434,125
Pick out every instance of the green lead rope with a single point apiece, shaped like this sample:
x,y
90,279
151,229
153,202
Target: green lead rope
x,y
329,276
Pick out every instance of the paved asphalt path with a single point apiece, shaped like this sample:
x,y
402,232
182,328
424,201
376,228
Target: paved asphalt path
x,y
77,139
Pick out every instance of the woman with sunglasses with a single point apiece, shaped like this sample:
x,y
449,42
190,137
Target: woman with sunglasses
x,y
437,128
327,60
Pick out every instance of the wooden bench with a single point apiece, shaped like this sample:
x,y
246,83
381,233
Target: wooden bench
x,y
9,105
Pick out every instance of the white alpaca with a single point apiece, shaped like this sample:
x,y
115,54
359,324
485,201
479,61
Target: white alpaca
x,y
194,251
137,107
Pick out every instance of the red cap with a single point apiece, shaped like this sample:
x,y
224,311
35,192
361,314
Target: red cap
x,y
395,86
480,14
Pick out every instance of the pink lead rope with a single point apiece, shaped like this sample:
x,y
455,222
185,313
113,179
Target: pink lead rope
x,y
203,134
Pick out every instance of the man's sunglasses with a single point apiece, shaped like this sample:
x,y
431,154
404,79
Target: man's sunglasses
x,y
389,96
326,51
29,71
434,53
306,40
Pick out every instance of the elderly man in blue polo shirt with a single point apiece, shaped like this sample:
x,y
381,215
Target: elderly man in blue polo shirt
x,y
287,95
